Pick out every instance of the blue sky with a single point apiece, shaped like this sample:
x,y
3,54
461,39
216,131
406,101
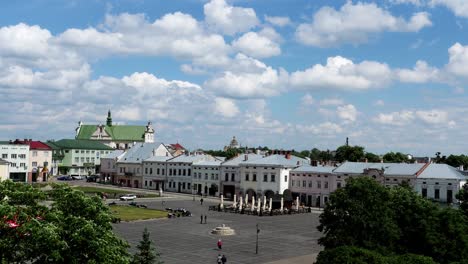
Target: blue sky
x,y
389,74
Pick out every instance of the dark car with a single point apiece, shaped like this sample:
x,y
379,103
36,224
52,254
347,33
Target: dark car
x,y
92,178
64,178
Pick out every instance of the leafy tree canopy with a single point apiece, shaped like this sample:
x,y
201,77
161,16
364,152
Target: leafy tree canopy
x,y
349,153
393,221
62,226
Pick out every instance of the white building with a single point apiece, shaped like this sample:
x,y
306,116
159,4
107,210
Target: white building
x,y
154,175
268,175
206,177
312,184
4,170
18,157
179,171
440,182
130,165
230,177
108,169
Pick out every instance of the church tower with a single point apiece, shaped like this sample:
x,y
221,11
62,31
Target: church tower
x,y
109,118
149,133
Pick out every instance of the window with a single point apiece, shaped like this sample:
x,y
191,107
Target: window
x,y
87,152
151,172
292,183
92,151
436,194
338,185
233,177
151,183
66,151
189,172
82,151
247,177
82,159
310,184
77,151
254,177
226,177
183,185
34,153
146,172
13,164
265,177
162,171
4,156
13,156
180,172
77,159
319,184
87,159
273,177
188,185
146,183
34,164
326,185
212,176
23,165
285,178
22,156
170,172
304,184
206,176
424,192
138,170
157,171
183,172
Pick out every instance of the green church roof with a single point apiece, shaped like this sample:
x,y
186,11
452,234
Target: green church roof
x,y
116,132
79,144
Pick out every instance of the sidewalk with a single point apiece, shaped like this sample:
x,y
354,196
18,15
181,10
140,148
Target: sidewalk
x,y
307,259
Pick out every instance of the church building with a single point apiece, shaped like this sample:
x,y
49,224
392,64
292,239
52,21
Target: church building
x,y
114,135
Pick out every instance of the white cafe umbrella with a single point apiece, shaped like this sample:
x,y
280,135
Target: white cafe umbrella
x,y
297,203
240,203
264,202
282,204
222,202
235,198
271,204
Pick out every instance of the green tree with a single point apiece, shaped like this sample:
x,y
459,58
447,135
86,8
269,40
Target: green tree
x,y
462,196
73,228
146,252
349,153
457,160
371,157
396,157
315,154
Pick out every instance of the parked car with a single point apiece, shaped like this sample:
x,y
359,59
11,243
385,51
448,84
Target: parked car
x,y
92,178
64,178
77,177
128,197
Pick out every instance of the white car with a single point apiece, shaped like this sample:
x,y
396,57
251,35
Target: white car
x,y
77,177
128,197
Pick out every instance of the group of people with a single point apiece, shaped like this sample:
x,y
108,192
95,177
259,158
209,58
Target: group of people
x,y
221,259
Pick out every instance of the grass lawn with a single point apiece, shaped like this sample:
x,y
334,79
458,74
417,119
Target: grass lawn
x,y
132,213
110,192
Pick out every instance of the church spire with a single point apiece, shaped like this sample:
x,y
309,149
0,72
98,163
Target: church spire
x,y
109,119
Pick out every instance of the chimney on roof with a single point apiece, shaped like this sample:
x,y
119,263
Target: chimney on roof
x,y
461,168
298,163
288,155
246,157
154,152
313,163
366,160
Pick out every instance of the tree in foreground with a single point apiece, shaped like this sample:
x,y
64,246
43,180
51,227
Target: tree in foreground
x,y
60,226
146,254
395,223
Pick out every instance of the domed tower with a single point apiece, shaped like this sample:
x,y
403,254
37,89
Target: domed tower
x,y
234,143
149,133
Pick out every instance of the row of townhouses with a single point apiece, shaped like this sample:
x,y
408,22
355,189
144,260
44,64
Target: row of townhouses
x,y
152,166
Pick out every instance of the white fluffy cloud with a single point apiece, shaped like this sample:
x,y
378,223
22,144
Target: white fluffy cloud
x,y
248,78
229,19
331,101
279,21
176,34
459,7
348,113
406,117
226,107
458,60
353,23
256,45
421,73
327,128
342,73
307,100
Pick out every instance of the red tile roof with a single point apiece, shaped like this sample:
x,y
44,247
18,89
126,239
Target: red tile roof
x,y
33,144
177,146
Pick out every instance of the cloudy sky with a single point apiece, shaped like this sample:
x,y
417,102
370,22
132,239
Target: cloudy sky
x,y
389,74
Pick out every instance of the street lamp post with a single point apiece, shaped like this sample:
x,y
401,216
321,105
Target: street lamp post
x,y
256,245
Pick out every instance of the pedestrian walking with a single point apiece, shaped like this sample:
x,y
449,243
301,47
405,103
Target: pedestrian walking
x,y
205,219
220,259
201,201
224,259
201,219
220,244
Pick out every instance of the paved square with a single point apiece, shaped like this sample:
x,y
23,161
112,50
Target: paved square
x,y
185,240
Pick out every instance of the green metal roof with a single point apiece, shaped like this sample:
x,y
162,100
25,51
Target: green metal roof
x,y
116,132
79,144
